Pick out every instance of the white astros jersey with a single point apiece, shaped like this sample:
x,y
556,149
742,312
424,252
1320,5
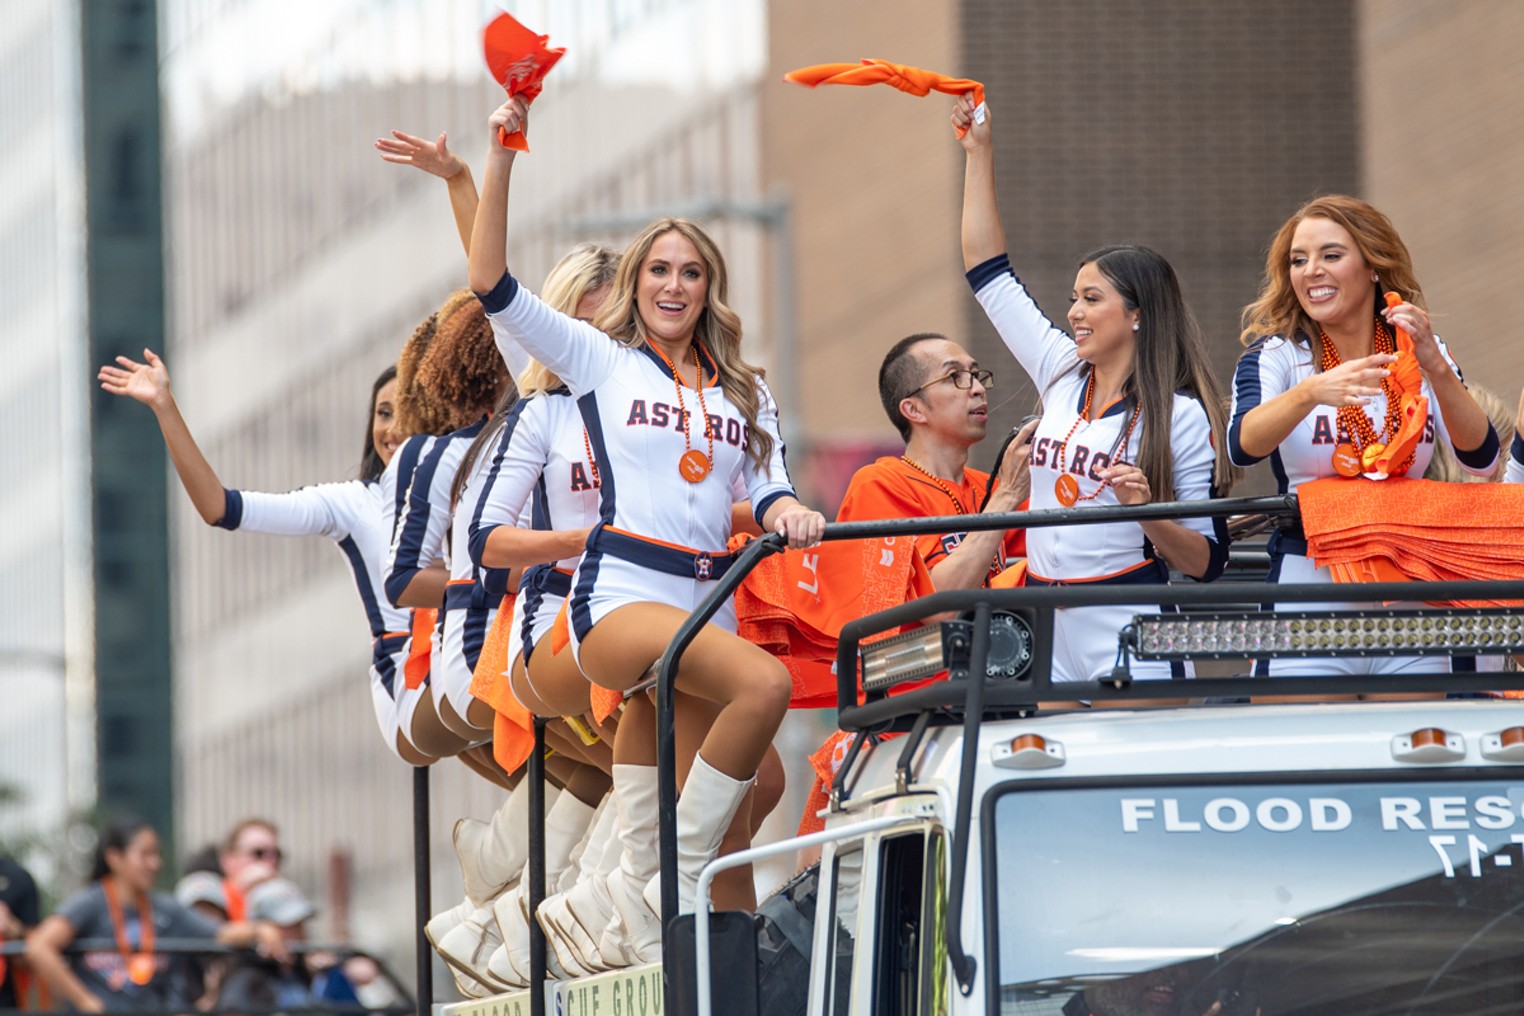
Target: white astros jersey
x,y
659,537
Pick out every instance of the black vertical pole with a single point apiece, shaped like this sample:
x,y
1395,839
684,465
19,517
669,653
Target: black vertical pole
x,y
537,943
422,870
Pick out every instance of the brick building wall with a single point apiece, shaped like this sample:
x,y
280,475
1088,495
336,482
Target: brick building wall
x,y
1192,126
1443,89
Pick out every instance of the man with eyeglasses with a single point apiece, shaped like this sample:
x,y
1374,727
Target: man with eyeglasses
x,y
936,397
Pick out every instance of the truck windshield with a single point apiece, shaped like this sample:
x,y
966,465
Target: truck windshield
x,y
1382,896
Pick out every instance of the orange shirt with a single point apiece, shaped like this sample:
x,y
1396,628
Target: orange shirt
x,y
891,488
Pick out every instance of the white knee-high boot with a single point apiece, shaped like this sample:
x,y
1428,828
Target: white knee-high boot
x,y
586,899
705,810
566,824
493,853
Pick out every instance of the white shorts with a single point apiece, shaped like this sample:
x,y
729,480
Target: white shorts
x,y
394,709
1298,570
609,583
1085,645
450,671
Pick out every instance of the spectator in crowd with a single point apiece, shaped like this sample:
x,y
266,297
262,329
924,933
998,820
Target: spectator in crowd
x,y
251,854
18,914
119,904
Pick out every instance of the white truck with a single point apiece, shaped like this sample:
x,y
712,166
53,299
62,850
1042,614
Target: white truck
x,y
1009,846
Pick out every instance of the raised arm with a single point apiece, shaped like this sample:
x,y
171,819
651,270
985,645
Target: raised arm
x,y
435,158
488,247
983,236
148,383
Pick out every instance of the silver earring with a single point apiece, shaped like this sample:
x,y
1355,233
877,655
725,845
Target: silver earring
x,y
1375,277
1134,326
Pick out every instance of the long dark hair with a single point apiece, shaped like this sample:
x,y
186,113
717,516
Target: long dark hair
x,y
371,465
1170,358
491,430
115,836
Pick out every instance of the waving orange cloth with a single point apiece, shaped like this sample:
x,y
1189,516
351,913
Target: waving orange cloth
x,y
875,72
1403,529
1412,407
519,61
416,670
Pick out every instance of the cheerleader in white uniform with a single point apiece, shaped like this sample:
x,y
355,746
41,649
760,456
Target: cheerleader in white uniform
x,y
1312,402
354,514
1132,414
673,417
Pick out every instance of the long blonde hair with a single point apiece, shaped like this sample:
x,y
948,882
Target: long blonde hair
x,y
718,331
1277,311
585,268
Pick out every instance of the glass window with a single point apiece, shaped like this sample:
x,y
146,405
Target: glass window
x,y
846,893
1294,896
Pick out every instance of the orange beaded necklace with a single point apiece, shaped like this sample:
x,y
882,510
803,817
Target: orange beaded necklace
x,y
1067,487
694,464
1353,457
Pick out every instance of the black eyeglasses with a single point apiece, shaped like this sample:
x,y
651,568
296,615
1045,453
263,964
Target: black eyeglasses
x,y
962,379
275,854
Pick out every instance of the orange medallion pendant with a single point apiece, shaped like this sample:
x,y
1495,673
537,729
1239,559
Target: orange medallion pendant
x,y
140,968
1067,490
694,465
1346,461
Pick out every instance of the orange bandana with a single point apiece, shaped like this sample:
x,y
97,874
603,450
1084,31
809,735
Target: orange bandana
x,y
519,61
874,72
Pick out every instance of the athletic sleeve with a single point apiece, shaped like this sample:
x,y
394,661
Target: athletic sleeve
x,y
765,486
1515,473
85,910
875,493
1259,377
522,451
579,354
1193,455
424,519
328,509
1478,461
508,348
1042,348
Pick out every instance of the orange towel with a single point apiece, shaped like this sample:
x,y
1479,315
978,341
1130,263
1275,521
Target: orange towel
x,y
1413,409
489,681
1405,529
873,72
512,738
794,604
519,60
605,701
416,670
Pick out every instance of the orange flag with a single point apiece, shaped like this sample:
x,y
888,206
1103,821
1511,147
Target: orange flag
x,y
914,80
416,670
519,60
489,681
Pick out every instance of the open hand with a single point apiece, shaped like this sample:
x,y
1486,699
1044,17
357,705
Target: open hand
x,y
1352,383
432,157
148,382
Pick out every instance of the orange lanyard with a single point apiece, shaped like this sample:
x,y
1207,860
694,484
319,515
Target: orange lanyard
x,y
694,464
140,964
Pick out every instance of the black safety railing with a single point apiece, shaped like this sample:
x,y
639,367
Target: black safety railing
x,y
1281,507
202,949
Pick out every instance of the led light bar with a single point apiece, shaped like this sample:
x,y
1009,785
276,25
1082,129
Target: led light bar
x,y
1434,632
931,649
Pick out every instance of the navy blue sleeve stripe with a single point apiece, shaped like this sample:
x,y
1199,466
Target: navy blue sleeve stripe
x,y
232,510
1484,455
1247,395
410,541
1517,450
985,272
501,295
760,508
1217,546
477,543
